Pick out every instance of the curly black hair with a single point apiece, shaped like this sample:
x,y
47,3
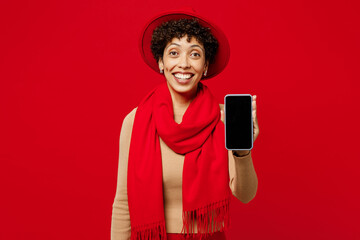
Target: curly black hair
x,y
164,33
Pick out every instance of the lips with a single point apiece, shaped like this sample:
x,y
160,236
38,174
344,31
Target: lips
x,y
183,77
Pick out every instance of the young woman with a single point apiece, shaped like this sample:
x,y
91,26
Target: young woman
x,y
175,176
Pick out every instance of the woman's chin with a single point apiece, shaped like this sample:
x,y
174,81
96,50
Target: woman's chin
x,y
188,88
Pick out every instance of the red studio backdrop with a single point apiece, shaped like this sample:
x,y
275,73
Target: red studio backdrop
x,y
70,71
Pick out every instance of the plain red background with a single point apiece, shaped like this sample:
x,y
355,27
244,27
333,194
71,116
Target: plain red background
x,y
71,71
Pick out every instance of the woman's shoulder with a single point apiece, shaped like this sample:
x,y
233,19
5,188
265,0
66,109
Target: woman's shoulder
x,y
131,115
129,119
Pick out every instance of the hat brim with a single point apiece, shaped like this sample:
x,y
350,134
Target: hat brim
x,y
221,57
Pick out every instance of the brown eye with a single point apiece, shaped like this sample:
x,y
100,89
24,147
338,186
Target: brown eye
x,y
173,53
195,54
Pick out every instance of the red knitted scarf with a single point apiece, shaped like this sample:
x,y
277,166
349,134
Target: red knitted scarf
x,y
205,184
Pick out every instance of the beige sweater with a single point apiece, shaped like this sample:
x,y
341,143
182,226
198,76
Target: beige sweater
x,y
172,164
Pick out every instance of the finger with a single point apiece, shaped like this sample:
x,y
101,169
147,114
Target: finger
x,y
222,115
254,102
254,106
256,129
255,120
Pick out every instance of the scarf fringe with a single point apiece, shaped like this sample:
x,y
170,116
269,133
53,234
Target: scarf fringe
x,y
153,231
209,219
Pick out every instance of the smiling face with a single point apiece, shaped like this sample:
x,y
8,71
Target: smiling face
x,y
183,64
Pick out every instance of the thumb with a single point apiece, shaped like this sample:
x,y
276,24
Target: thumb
x,y
222,115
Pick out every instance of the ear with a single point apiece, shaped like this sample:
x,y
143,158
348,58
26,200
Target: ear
x,y
161,64
206,66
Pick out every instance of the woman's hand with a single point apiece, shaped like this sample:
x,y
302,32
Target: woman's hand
x,y
255,121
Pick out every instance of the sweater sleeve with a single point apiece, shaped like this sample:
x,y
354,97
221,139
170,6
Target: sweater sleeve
x,y
120,220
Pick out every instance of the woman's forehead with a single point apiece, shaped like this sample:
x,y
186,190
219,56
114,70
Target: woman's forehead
x,y
185,42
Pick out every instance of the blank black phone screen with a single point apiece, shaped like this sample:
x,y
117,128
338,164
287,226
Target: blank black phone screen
x,y
238,122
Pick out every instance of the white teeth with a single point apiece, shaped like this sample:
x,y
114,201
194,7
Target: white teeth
x,y
183,76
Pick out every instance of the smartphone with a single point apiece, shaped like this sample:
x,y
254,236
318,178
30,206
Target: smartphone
x,y
238,122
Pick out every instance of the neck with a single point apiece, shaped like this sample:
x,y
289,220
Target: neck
x,y
181,101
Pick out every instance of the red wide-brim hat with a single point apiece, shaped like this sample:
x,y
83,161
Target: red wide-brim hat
x,y
221,57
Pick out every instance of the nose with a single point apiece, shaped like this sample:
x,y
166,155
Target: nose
x,y
184,62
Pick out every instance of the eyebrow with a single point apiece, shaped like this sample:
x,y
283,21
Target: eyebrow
x,y
194,45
